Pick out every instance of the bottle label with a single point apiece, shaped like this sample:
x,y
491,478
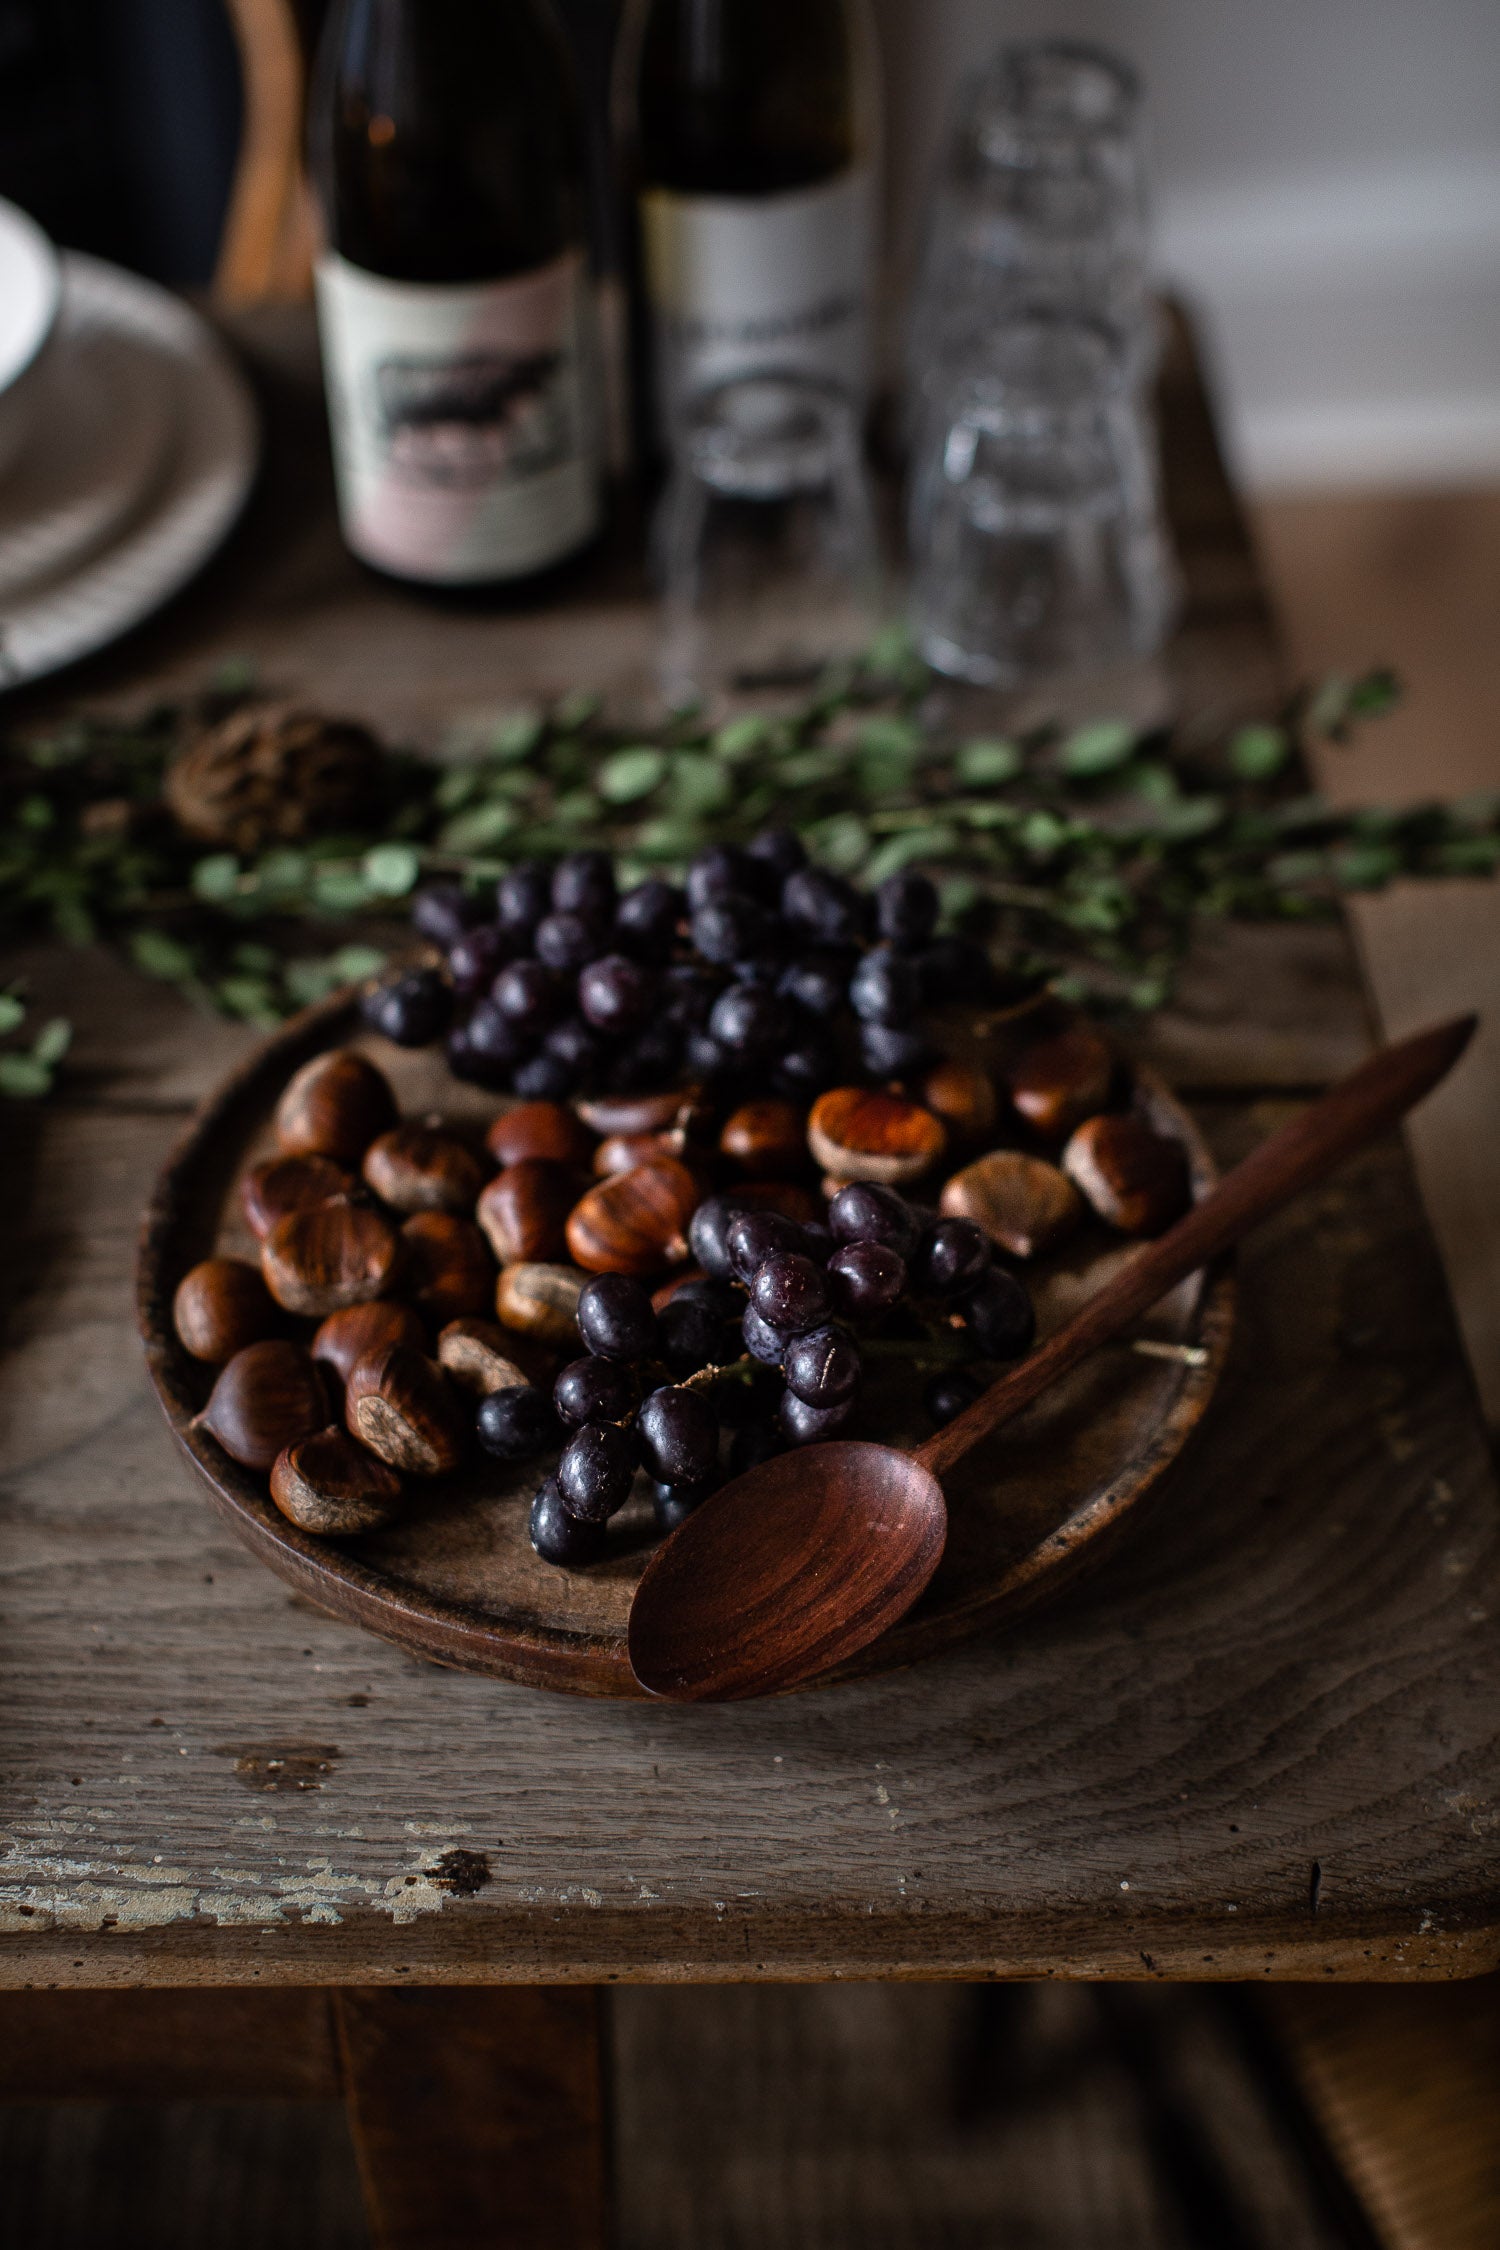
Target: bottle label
x,y
465,435
741,284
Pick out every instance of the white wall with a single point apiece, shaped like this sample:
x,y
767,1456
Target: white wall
x,y
1327,193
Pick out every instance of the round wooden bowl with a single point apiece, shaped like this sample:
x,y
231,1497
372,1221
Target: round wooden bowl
x,y
456,1580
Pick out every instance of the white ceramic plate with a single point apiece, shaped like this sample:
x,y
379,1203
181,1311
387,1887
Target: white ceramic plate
x,y
28,291
143,450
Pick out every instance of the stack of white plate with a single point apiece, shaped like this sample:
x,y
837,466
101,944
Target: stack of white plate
x,y
128,443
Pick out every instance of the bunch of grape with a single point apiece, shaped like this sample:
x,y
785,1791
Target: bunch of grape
x,y
778,1303
762,966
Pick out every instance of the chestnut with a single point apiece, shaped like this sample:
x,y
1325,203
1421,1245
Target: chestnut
x,y
1023,1203
788,1197
635,1222
1056,1083
333,1255
446,1266
398,1403
621,1152
767,1139
634,1113
266,1398
541,1301
221,1305
329,1485
419,1167
334,1106
474,1354
270,1191
347,1336
1135,1178
857,1133
548,1129
964,1097
524,1210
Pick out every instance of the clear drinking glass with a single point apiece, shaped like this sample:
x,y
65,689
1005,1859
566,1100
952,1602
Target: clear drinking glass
x,y
764,541
1036,532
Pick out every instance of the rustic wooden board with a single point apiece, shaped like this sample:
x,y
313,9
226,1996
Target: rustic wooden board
x,y
456,1578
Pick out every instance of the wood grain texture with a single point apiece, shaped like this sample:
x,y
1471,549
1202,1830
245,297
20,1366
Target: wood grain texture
x,y
478,2117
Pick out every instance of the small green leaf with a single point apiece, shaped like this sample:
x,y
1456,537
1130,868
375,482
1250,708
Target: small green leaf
x,y
260,960
1255,753
459,786
899,851
36,813
1468,855
574,710
12,1012
631,774
340,890
391,870
1042,833
252,999
234,675
23,1079
887,736
842,841
162,956
741,738
1099,748
52,1043
1365,867
804,768
958,895
283,871
216,878
576,808
987,764
700,786
478,830
351,963
668,839
516,736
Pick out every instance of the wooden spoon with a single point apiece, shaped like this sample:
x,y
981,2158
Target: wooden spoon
x,y
794,1567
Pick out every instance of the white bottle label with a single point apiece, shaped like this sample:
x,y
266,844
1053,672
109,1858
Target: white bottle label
x,y
741,284
465,426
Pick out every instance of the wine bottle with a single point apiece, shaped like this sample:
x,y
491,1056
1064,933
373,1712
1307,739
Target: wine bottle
x,y
453,288
751,131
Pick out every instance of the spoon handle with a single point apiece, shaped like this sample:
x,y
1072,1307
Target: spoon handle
x,y
1312,1143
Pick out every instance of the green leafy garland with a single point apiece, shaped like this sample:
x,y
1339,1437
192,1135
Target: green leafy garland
x,y
1089,854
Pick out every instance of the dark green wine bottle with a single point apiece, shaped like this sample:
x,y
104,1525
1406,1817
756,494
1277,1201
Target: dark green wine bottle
x,y
454,292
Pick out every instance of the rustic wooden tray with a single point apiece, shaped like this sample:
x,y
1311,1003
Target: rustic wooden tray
x,y
456,1579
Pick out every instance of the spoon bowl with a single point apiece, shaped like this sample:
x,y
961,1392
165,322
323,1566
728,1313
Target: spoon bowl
x,y
764,1585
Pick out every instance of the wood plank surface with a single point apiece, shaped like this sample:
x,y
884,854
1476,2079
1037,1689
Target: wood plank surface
x,y
1266,1742
170,2046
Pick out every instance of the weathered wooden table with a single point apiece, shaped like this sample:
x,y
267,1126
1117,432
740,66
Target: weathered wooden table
x,y
1264,1742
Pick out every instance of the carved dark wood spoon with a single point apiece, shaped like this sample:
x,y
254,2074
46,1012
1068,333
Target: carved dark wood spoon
x,y
794,1567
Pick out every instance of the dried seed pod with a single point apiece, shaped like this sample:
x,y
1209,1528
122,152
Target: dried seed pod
x,y
221,1305
541,1301
857,1133
446,1266
635,1113
767,1139
334,1106
635,1222
419,1167
352,1334
1058,1082
399,1403
964,1097
273,1190
336,1254
266,1398
473,1354
548,1129
524,1211
1022,1202
329,1485
1135,1178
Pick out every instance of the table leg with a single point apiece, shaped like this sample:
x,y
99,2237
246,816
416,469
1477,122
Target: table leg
x,y
478,2115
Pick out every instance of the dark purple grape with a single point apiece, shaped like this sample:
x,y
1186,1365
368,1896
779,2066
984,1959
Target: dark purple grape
x,y
817,1242
559,1537
693,1335
885,988
652,1060
704,1059
516,1424
594,1390
528,995
728,929
753,1236
679,1435
615,993
584,884
831,911
543,1078
521,899
865,1279
566,942
674,1503
803,1070
747,1021
716,871
949,1393
578,1045
757,1442
762,1341
720,1297
646,920
687,994
412,1010
866,1212
759,968
955,968
823,1367
780,852
469,1062
889,1051
790,1292
952,1256
818,982
473,961
801,1424
739,1403
906,910
615,1318
595,1472
443,912
708,1235
1000,1316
